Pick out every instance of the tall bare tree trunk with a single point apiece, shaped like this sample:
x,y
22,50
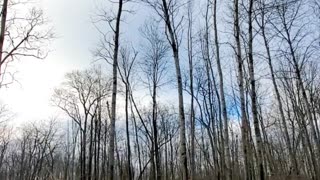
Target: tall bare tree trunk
x,y
288,37
155,129
136,134
254,106
293,159
127,130
225,141
112,130
245,128
192,114
175,50
90,158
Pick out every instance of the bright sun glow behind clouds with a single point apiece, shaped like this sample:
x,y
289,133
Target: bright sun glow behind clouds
x,y
30,98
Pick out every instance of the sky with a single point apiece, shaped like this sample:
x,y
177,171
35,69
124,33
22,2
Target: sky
x,y
29,98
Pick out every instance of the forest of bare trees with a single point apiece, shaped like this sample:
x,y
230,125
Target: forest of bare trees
x,y
226,90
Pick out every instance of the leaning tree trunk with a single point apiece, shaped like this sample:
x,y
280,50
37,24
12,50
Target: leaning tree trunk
x,y
293,159
288,37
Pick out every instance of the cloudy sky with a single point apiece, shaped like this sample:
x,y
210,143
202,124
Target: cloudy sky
x,y
29,99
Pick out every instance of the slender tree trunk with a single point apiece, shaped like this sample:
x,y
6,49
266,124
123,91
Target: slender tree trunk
x,y
171,160
254,105
3,29
192,115
90,158
245,128
112,130
305,101
155,128
97,175
225,145
293,159
210,112
166,151
211,88
175,50
128,133
95,153
136,136
84,152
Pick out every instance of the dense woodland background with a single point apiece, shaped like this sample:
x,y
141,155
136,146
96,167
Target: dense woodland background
x,y
211,90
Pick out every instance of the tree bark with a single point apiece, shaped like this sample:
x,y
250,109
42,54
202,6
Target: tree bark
x,y
254,106
112,130
277,93
225,144
245,128
192,114
175,50
3,29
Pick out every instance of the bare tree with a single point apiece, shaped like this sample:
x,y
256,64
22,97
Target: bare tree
x,y
253,93
265,14
192,109
245,126
109,50
225,144
288,14
126,66
275,47
168,10
155,67
80,97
